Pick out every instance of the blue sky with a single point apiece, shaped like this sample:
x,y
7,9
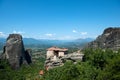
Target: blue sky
x,y
58,19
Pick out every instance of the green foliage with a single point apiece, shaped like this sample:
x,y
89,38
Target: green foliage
x,y
112,69
26,72
66,72
71,50
70,71
97,64
106,62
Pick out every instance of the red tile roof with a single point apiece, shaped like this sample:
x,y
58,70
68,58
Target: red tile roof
x,y
57,49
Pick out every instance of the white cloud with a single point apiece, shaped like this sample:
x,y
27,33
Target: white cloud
x,y
83,33
18,32
2,34
74,31
49,35
14,32
67,37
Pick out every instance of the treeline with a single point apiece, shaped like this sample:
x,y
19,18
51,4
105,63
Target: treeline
x,y
96,65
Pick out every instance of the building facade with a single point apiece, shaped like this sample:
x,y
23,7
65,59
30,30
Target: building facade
x,y
55,52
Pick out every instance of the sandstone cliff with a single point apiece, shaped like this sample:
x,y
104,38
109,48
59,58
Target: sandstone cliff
x,y
110,39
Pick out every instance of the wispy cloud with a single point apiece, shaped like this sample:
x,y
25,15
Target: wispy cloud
x,y
54,37
83,33
74,31
80,34
67,37
18,32
49,35
2,34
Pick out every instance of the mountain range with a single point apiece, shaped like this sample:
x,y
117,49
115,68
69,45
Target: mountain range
x,y
33,43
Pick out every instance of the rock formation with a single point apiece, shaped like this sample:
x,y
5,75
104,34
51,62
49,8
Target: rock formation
x,y
14,51
28,56
59,61
110,39
57,57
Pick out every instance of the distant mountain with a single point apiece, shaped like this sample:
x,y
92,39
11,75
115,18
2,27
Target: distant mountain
x,y
78,43
31,42
2,42
110,39
84,40
41,41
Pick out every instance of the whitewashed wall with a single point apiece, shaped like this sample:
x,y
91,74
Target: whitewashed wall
x,y
61,54
49,54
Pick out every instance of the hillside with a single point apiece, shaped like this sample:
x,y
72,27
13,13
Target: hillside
x,y
110,39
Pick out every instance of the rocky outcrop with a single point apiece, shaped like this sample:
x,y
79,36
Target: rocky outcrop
x,y
110,39
14,51
59,61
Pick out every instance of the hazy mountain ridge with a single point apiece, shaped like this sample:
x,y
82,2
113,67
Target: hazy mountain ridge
x,y
31,42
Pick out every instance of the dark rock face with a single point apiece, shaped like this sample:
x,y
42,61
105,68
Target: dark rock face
x,y
110,39
14,51
28,57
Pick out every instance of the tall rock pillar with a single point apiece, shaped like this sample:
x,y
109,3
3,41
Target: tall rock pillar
x,y
14,50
